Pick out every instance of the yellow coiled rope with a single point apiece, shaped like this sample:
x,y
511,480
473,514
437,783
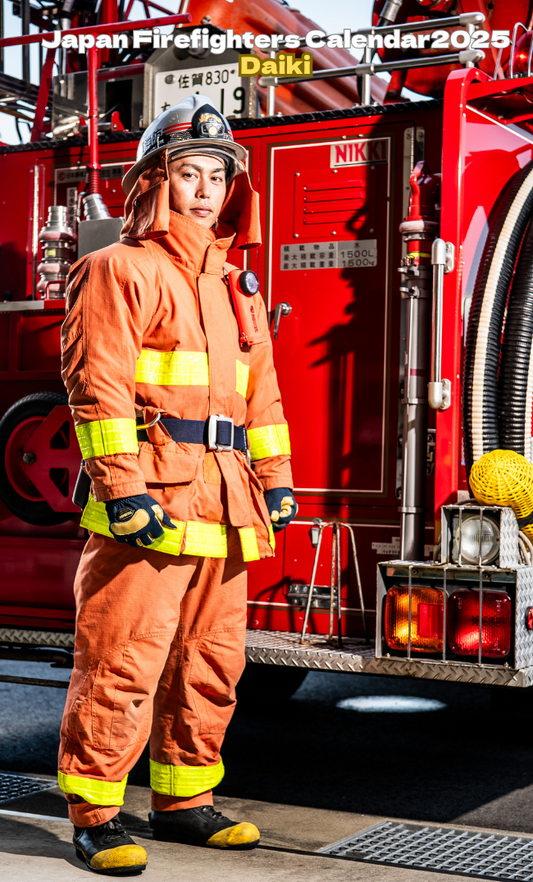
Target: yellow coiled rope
x,y
503,477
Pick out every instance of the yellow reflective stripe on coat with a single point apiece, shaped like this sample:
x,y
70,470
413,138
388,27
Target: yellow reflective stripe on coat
x,y
271,538
93,790
269,441
95,519
184,780
243,372
250,550
105,437
206,540
201,540
178,368
174,368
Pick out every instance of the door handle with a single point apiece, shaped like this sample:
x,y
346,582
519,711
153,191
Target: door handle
x,y
282,309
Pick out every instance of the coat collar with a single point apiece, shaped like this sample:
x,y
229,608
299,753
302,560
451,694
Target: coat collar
x,y
194,246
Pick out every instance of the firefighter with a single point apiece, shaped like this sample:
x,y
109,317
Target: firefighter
x,y
169,412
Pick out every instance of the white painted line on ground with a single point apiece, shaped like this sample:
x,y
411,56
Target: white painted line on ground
x,y
29,815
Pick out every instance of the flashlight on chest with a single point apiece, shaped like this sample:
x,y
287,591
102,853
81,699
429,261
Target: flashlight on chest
x,y
243,284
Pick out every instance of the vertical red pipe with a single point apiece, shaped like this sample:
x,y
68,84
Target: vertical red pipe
x,y
109,13
44,94
92,101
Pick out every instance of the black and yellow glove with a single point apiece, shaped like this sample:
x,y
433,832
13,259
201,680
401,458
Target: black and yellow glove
x,y
281,506
137,520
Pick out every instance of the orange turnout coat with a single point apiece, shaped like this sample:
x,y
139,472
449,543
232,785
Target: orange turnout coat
x,y
151,330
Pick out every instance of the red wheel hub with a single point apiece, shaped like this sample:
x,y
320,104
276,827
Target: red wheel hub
x,y
15,465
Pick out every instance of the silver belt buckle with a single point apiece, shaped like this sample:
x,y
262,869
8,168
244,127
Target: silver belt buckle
x,y
212,431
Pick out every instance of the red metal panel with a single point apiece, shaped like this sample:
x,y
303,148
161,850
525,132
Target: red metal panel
x,y
40,342
480,154
30,567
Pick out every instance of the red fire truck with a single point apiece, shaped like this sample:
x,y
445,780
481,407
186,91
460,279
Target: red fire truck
x,y
384,223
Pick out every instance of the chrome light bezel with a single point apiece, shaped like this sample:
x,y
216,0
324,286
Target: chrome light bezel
x,y
460,553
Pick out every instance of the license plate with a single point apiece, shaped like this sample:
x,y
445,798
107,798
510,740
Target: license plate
x,y
221,83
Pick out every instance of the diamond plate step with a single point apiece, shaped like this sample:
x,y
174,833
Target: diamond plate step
x,y
26,637
280,648
358,657
440,849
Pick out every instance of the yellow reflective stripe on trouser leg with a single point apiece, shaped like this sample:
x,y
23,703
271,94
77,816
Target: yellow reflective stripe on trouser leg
x,y
250,550
269,441
105,437
174,368
184,780
95,519
243,372
93,790
205,540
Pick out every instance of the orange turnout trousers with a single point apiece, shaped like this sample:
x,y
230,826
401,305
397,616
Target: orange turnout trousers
x,y
159,649
151,334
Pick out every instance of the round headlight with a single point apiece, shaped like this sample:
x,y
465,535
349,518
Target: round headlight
x,y
469,539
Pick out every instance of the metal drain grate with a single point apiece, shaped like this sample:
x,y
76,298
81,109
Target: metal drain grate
x,y
489,855
15,786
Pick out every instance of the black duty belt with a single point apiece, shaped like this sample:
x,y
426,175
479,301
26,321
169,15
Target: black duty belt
x,y
217,432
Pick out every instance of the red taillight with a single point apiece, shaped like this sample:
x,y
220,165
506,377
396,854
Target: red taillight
x,y
463,623
426,619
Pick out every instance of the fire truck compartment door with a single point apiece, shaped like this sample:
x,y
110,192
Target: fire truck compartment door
x,y
329,258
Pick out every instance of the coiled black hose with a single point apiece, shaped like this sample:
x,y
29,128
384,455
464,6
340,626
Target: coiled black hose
x,y
515,392
482,355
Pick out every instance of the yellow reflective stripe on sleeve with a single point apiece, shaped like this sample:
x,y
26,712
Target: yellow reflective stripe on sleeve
x,y
184,780
94,518
243,372
93,790
271,538
205,540
269,441
174,368
105,437
250,550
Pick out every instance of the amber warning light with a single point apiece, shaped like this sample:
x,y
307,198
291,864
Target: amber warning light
x,y
427,611
462,621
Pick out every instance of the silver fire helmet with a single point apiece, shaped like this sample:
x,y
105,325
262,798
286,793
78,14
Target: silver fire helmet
x,y
193,125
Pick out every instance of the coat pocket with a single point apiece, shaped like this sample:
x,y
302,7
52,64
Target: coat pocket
x,y
167,464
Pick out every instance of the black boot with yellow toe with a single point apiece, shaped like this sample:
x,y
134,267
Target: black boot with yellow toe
x,y
107,849
203,826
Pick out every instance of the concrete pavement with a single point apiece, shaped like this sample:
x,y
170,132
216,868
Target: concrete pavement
x,y
34,849
288,766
